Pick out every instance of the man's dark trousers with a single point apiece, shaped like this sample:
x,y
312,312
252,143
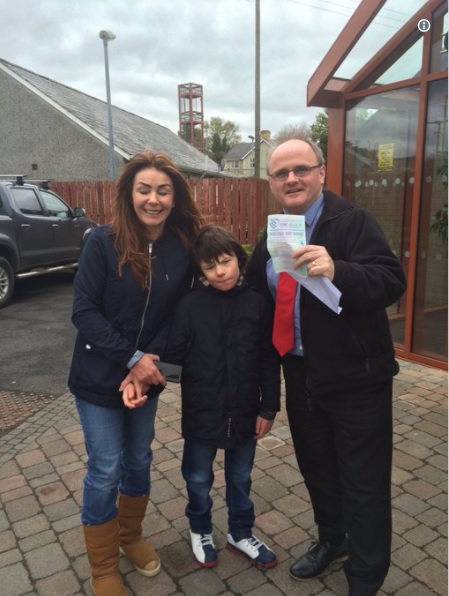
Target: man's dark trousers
x,y
343,445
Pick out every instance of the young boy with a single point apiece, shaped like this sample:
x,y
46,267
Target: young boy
x,y
230,386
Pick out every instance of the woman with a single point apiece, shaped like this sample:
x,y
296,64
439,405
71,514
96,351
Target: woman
x,y
131,274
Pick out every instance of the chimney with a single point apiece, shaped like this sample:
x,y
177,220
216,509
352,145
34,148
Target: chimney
x,y
265,134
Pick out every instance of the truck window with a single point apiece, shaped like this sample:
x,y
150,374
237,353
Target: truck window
x,y
54,205
27,201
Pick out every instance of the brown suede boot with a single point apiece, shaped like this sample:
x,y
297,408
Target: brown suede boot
x,y
103,554
131,511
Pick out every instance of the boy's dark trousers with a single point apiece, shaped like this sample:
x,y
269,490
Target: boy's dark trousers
x,y
197,471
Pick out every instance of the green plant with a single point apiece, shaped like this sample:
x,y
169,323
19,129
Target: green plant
x,y
439,225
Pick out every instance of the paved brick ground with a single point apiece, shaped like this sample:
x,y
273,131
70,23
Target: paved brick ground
x,y
42,462
17,406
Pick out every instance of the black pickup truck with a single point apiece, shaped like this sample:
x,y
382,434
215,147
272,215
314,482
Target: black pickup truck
x,y
39,233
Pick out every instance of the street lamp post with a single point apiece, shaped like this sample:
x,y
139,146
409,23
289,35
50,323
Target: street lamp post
x,y
109,36
253,158
257,94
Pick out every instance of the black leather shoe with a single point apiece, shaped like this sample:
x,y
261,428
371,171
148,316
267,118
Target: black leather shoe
x,y
318,558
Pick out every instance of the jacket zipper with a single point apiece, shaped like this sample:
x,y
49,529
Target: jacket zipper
x,y
150,282
228,430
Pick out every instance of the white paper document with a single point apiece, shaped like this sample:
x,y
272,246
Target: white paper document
x,y
286,233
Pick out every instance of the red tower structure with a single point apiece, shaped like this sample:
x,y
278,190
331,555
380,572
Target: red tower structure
x,y
191,120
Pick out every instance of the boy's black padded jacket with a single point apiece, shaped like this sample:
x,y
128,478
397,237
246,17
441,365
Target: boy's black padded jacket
x,y
231,371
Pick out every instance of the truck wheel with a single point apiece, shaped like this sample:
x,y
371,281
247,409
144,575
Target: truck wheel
x,y
6,282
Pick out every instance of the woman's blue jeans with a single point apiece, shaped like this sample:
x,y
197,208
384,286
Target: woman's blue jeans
x,y
197,470
118,445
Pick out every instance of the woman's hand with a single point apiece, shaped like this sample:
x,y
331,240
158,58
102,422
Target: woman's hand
x,y
134,395
146,371
263,427
143,373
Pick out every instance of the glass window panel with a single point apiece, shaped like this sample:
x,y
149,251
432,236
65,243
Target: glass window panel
x,y
380,152
439,41
408,66
430,306
391,17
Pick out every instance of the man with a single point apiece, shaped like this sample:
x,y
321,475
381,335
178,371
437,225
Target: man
x,y
338,372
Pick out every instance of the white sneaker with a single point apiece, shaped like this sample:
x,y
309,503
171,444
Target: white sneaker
x,y
204,549
256,551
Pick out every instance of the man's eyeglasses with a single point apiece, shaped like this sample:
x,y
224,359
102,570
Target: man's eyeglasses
x,y
298,171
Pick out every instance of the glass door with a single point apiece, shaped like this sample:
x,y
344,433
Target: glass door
x,y
430,304
379,171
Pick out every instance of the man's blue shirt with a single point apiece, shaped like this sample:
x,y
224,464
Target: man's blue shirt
x,y
311,215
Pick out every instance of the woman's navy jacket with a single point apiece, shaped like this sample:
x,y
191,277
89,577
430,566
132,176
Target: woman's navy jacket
x,y
115,317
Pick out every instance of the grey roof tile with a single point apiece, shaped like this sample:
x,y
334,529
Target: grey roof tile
x,y
132,133
238,151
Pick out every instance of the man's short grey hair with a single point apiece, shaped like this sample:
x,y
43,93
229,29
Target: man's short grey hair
x,y
314,146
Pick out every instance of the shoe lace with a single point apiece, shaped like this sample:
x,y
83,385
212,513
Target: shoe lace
x,y
206,540
254,542
317,547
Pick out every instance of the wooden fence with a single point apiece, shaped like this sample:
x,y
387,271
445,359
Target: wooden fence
x,y
238,204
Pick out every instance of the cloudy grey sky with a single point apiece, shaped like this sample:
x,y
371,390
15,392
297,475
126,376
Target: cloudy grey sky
x,y
163,43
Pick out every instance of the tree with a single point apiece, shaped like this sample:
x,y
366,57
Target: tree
x,y
318,131
219,137
217,147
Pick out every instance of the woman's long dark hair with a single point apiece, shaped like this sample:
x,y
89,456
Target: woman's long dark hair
x,y
131,242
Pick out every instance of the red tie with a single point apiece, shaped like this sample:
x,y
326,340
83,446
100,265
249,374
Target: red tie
x,y
283,332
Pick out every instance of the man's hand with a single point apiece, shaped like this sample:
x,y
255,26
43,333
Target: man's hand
x,y
317,260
